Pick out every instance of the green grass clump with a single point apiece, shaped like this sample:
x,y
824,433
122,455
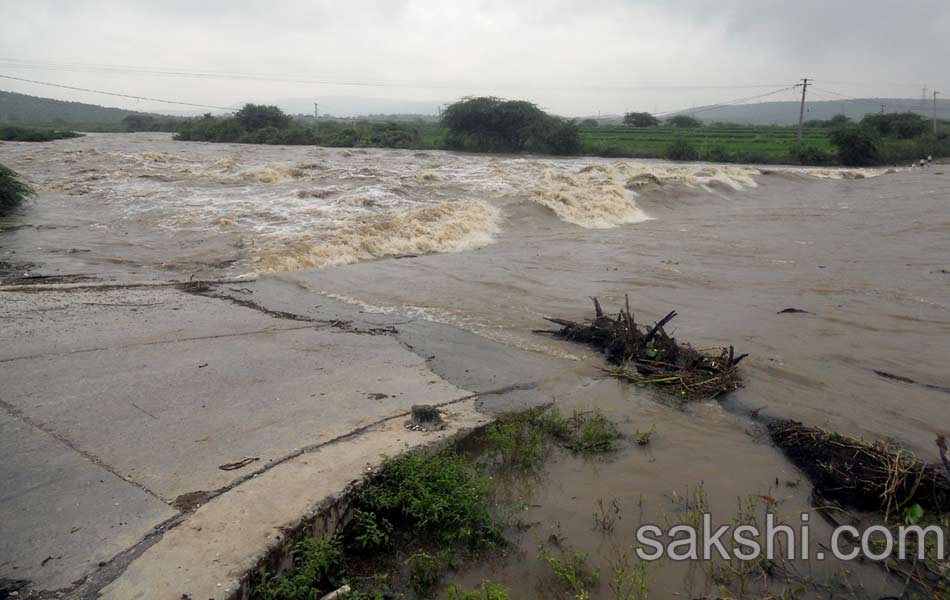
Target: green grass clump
x,y
590,433
521,440
442,495
12,190
486,591
518,438
318,570
571,571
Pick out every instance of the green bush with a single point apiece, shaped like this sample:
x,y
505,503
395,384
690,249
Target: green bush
x,y
640,119
811,155
442,495
318,568
489,124
680,149
13,191
904,126
857,145
684,122
560,136
258,116
11,133
718,154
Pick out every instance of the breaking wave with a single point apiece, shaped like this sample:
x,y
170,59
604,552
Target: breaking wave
x,y
604,195
273,173
447,227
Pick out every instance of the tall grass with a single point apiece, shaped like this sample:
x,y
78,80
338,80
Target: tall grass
x,y
12,190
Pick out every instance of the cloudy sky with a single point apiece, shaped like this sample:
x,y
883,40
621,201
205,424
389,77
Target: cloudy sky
x,y
573,57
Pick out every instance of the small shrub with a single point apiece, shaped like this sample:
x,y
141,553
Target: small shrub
x,y
13,190
857,146
644,438
630,580
486,591
370,532
606,516
680,149
684,122
592,432
718,154
518,439
318,569
425,570
572,571
810,155
442,494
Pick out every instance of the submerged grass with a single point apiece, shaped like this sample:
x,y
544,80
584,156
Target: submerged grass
x,y
522,440
571,570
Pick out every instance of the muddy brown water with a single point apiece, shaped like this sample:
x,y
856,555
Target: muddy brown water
x,y
492,244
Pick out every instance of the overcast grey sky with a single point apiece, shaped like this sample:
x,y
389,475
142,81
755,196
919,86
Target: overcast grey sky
x,y
573,57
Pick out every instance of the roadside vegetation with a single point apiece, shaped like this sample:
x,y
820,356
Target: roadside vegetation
x,y
13,190
12,133
423,515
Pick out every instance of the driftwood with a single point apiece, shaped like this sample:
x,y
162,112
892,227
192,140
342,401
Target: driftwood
x,y
878,476
650,355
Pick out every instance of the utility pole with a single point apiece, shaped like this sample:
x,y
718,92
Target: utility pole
x,y
316,112
883,106
801,115
935,112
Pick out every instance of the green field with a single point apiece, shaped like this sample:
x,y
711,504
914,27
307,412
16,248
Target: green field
x,y
720,144
733,144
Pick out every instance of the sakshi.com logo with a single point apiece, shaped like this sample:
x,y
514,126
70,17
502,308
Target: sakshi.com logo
x,y
775,541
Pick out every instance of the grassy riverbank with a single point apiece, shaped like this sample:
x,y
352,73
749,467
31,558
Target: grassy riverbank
x,y
11,133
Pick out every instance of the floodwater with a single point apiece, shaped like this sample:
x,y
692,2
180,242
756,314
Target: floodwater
x,y
493,243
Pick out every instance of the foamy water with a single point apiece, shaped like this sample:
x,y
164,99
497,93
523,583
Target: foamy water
x,y
239,208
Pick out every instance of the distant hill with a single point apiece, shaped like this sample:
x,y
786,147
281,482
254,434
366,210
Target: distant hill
x,y
21,109
786,113
357,106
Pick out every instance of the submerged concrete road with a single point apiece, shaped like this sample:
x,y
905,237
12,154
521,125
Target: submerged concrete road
x,y
123,410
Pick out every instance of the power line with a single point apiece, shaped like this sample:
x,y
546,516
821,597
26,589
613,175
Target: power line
x,y
724,104
329,80
908,107
70,87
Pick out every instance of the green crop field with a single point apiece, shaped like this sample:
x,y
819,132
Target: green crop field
x,y
746,144
729,144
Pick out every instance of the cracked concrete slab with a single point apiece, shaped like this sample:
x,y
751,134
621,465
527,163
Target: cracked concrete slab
x,y
62,321
60,514
160,388
207,556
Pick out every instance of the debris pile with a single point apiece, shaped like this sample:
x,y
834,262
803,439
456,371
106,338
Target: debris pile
x,y
648,355
878,476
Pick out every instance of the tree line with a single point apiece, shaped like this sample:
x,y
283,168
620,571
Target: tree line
x,y
490,124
